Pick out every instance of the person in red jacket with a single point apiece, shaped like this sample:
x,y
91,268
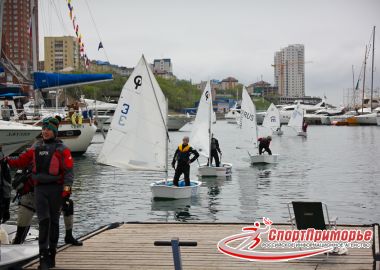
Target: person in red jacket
x,y
52,175
264,145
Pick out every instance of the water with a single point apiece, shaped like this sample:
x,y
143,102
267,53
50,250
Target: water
x,y
335,165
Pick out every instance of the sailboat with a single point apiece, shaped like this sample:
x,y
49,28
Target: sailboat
x,y
201,135
249,132
296,121
138,138
272,120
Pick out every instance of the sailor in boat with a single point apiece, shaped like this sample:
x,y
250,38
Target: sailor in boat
x,y
182,156
23,184
5,111
5,189
52,174
304,126
264,144
215,150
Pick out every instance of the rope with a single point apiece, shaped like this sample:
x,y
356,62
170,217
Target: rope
x,y
59,15
96,29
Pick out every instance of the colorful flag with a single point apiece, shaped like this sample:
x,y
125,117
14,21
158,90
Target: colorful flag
x,y
30,27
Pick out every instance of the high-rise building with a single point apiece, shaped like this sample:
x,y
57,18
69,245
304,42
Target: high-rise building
x,y
289,71
16,38
162,66
61,53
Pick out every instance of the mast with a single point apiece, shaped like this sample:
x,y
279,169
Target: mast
x,y
365,64
209,129
353,90
166,143
373,57
34,34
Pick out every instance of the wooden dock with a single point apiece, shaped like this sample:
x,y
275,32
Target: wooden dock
x,y
130,246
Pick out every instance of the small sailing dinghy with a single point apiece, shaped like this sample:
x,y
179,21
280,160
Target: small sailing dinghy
x,y
15,255
249,132
296,121
272,120
138,136
201,135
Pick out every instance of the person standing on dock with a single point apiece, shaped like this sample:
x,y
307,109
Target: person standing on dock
x,y
215,150
23,184
52,174
182,156
264,144
5,111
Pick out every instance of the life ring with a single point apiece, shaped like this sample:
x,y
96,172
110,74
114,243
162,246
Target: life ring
x,y
74,119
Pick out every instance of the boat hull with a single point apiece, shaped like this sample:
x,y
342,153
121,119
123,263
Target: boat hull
x,y
378,119
13,136
166,190
223,171
302,134
77,144
264,159
367,119
15,255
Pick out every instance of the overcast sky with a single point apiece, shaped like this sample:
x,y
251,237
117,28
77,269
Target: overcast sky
x,y
213,39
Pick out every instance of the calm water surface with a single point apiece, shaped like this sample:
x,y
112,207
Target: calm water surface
x,y
337,165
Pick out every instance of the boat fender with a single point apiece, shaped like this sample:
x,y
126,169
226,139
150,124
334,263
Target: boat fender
x,y
4,239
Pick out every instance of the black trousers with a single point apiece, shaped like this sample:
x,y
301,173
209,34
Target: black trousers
x,y
214,155
48,200
182,169
261,147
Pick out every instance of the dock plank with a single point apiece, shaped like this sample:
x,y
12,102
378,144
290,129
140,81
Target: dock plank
x,y
130,246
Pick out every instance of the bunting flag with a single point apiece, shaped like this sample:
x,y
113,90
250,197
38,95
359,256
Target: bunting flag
x,y
100,45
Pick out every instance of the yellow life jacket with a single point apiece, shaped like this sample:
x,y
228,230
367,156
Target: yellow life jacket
x,y
184,150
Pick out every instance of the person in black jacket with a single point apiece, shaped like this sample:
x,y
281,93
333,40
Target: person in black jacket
x,y
214,151
5,188
182,156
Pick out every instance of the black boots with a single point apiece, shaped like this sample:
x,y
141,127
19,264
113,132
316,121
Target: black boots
x,y
69,239
52,253
44,259
21,234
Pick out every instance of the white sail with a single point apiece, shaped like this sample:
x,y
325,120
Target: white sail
x,y
247,122
137,135
272,118
201,131
296,119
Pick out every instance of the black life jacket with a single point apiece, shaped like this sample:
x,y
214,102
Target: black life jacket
x,y
46,164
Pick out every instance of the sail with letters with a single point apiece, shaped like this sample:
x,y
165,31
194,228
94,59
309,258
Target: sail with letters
x,y
137,135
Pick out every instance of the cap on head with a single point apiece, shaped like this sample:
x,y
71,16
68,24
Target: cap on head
x,y
269,138
51,123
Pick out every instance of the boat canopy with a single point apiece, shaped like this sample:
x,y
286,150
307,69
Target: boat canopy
x,y
49,81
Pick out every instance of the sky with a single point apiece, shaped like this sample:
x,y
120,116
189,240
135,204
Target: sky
x,y
214,39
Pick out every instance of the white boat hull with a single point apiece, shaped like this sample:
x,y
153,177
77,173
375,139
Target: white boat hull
x,y
367,119
78,144
12,255
302,134
278,132
260,159
166,190
15,135
177,122
224,170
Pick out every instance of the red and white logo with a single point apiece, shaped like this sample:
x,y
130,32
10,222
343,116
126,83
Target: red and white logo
x,y
313,242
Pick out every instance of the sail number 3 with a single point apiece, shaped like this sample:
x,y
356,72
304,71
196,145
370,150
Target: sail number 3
x,y
123,115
